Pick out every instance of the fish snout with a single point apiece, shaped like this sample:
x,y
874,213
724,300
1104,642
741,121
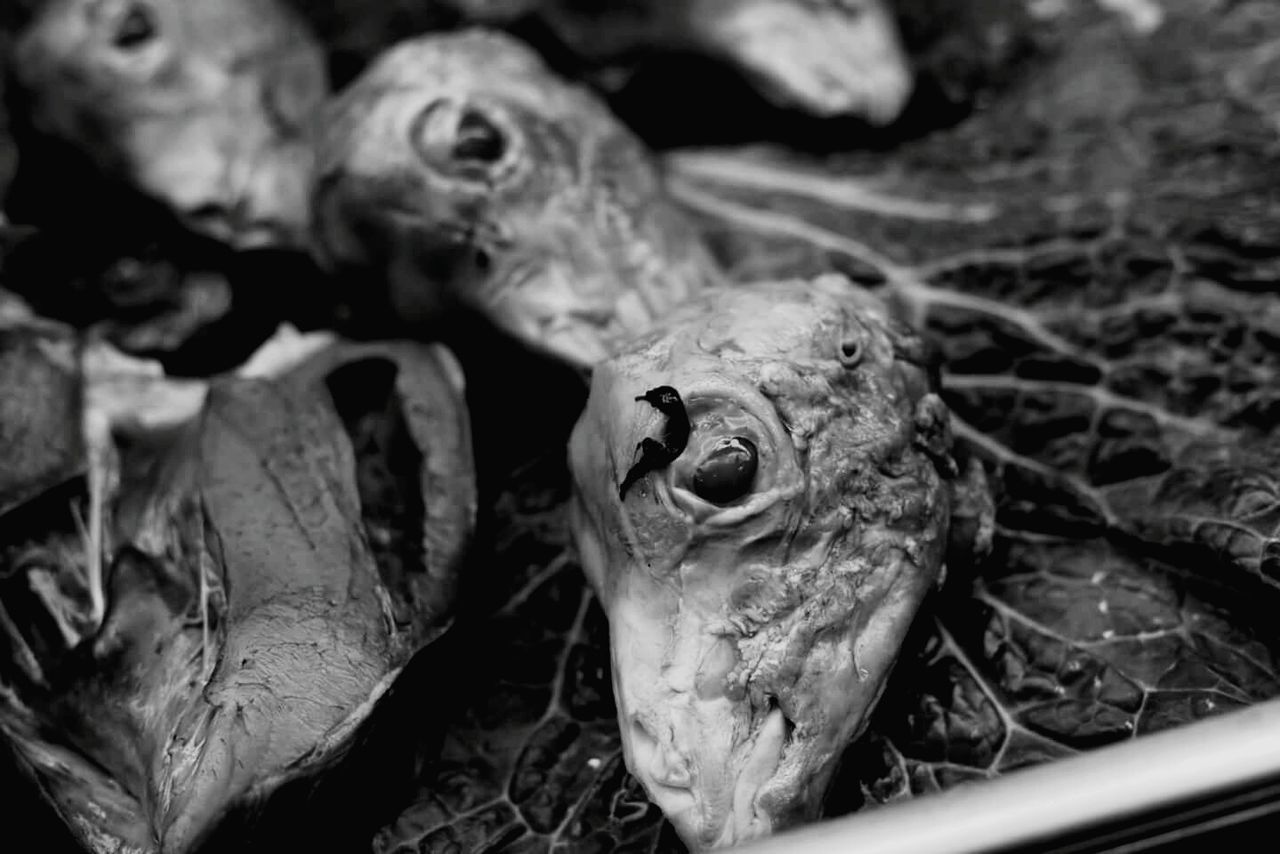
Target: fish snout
x,y
265,207
703,748
657,757
706,767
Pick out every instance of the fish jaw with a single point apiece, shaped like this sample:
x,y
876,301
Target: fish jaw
x,y
701,757
736,735
580,306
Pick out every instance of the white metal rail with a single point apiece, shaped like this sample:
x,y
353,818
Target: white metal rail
x,y
1177,768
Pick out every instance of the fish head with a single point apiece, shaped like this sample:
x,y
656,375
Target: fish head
x,y
204,106
463,169
759,586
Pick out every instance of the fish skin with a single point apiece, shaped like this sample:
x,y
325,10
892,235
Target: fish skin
x,y
249,629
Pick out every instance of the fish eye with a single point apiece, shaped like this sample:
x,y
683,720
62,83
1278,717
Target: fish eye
x,y
478,139
850,354
727,472
456,138
136,28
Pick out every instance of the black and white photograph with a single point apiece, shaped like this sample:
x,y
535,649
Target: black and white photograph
x,y
639,426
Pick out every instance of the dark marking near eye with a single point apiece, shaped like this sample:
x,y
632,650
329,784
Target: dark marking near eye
x,y
656,455
136,28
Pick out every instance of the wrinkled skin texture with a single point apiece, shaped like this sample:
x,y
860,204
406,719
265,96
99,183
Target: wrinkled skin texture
x,y
205,106
261,598
752,637
827,57
463,170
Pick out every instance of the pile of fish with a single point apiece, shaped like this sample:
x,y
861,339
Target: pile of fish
x,y
242,561
210,584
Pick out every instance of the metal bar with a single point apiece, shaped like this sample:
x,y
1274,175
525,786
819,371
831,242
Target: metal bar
x,y
1149,775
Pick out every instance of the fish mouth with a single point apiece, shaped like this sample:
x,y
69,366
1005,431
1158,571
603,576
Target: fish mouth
x,y
736,735
722,758
230,226
715,798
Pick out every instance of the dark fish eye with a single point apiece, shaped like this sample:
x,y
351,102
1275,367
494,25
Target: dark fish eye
x,y
458,139
478,139
136,28
728,472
